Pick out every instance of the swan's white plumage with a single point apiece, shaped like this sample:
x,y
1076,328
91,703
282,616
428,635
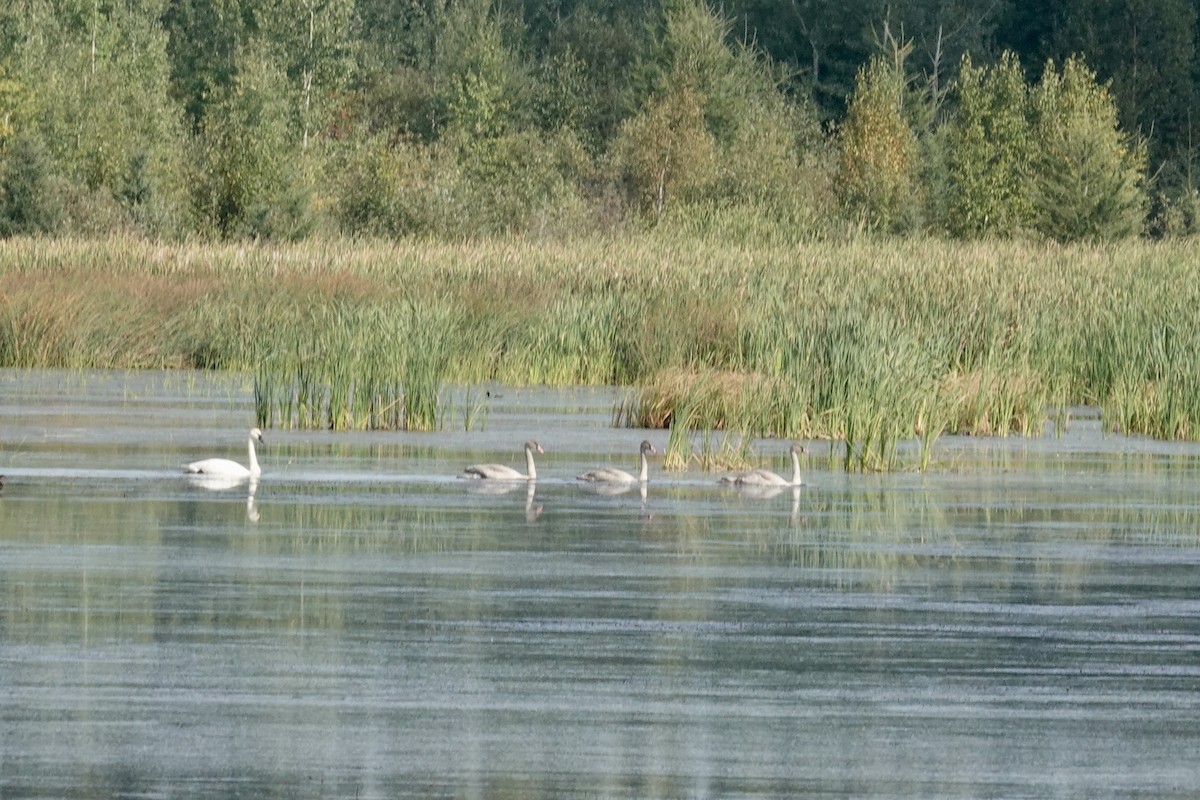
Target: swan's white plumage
x,y
224,468
501,472
614,475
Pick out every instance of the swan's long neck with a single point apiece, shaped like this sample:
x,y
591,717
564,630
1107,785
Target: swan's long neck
x,y
254,468
644,475
795,468
529,467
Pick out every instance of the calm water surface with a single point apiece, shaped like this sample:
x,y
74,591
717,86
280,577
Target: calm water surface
x,y
1022,621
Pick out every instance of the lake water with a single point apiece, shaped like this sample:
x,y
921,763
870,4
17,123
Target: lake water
x,y
1021,621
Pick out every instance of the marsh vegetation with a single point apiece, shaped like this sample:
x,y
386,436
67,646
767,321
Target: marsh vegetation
x,y
870,343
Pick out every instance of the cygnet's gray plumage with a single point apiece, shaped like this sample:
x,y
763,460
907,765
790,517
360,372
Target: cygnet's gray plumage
x,y
614,475
500,472
764,477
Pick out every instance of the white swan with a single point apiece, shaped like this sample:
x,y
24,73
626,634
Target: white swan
x,y
613,475
499,472
764,477
224,468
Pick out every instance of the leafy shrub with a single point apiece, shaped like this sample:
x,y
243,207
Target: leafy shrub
x,y
518,182
666,153
26,200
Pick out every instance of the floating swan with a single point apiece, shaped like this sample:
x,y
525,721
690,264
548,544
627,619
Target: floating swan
x,y
499,472
613,475
224,468
764,477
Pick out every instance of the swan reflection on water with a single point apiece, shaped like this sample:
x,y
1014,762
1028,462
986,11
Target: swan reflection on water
x,y
759,492
496,488
614,489
222,483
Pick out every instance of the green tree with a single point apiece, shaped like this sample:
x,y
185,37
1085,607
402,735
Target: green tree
x,y
1146,51
98,99
1177,196
482,83
28,202
694,55
561,95
1089,177
878,156
309,40
591,55
746,137
203,39
11,95
824,43
988,144
601,45
666,154
401,85
252,178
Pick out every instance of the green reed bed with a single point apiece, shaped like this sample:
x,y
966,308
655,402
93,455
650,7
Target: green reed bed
x,y
345,366
868,343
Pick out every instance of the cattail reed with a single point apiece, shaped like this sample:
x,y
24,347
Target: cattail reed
x,y
869,343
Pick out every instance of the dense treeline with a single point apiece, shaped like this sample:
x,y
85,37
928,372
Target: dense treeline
x,y
292,118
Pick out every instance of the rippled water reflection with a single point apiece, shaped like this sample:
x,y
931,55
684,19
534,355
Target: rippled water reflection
x,y
1022,622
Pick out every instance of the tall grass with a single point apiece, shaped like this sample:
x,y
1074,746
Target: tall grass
x,y
869,343
372,366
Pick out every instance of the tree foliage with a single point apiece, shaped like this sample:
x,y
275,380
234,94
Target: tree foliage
x,y
590,64
95,94
718,130
666,153
27,199
10,101
1088,175
251,181
877,175
277,118
309,41
989,146
1146,53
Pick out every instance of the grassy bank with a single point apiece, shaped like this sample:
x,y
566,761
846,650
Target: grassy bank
x,y
868,342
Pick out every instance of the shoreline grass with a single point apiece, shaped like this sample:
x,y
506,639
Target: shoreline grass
x,y
870,342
